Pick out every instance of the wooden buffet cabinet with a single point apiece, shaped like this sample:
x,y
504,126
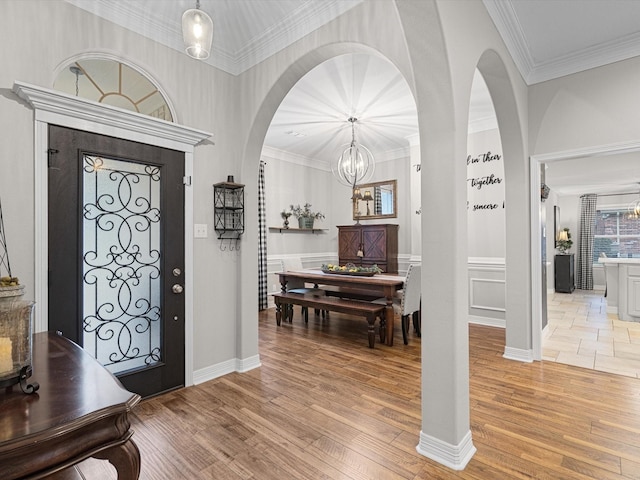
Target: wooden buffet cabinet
x,y
378,243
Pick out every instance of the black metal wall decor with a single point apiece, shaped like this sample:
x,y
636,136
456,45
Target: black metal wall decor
x,y
228,216
544,191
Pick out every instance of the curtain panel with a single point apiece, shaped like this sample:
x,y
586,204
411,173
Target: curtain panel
x,y
263,301
586,232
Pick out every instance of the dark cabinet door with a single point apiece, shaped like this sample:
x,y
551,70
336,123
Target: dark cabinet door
x,y
349,242
374,243
377,244
564,273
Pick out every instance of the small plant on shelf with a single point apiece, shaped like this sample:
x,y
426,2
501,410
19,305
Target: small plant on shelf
x,y
285,216
305,212
305,215
564,242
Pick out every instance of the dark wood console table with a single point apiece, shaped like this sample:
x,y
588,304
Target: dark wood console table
x,y
80,411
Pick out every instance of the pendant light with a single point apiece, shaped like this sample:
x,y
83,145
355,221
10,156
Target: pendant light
x,y
197,32
355,164
634,209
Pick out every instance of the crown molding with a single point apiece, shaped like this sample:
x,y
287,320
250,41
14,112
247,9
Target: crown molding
x,y
294,158
506,21
49,104
305,19
585,59
308,17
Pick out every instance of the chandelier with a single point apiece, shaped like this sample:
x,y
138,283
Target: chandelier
x,y
197,32
355,164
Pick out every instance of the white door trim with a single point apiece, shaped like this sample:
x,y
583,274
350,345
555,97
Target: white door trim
x,y
535,251
73,112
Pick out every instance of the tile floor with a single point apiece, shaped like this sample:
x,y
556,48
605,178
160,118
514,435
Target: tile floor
x,y
581,333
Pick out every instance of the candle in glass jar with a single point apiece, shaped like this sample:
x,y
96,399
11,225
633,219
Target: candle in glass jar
x,y
6,355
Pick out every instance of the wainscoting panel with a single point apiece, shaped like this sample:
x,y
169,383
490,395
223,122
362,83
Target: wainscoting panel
x,y
487,291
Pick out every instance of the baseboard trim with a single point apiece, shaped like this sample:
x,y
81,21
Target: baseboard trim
x,y
487,322
246,364
455,457
234,365
518,354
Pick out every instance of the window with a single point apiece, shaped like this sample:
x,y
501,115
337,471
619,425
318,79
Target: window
x,y
113,83
617,234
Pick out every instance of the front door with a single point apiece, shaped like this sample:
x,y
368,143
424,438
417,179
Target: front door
x,y
116,255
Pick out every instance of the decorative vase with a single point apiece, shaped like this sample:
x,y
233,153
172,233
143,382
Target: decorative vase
x,y
286,223
305,222
16,328
10,295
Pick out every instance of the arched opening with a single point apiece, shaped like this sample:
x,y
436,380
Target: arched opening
x,y
522,338
307,133
485,210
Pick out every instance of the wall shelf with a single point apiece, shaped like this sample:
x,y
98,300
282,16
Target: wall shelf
x,y
302,230
228,203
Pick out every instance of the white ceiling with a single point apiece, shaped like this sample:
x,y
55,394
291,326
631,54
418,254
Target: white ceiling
x,y
312,120
245,31
546,38
553,38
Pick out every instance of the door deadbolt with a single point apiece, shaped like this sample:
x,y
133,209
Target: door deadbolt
x,y
177,288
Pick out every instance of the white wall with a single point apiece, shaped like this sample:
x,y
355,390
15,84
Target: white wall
x,y
596,107
486,202
288,181
486,227
52,38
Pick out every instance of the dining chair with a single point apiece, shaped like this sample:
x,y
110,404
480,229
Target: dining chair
x,y
408,303
295,285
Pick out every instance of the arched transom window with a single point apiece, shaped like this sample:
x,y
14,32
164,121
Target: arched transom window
x,y
113,83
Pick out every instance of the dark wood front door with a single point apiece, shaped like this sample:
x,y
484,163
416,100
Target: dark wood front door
x,y
116,255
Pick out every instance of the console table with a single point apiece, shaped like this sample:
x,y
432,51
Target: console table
x,y
80,411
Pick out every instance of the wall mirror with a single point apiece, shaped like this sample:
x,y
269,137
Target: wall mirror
x,y
375,200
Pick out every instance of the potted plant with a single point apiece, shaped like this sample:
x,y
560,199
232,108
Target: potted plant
x,y
564,241
305,215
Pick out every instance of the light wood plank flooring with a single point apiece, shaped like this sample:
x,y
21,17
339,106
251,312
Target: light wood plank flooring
x,y
581,333
325,406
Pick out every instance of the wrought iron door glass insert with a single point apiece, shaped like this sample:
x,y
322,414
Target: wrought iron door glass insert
x,y
121,263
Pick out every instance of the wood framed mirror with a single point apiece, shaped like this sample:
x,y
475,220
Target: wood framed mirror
x,y
375,200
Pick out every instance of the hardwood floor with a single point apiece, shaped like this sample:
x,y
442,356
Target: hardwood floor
x,y
325,406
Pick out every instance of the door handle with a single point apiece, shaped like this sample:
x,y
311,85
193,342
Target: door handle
x,y
177,288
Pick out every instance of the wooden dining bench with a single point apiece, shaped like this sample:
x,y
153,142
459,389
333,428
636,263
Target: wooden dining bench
x,y
333,304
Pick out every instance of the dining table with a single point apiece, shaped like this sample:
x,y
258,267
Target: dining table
x,y
384,285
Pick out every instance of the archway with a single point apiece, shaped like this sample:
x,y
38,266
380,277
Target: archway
x,y
519,330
